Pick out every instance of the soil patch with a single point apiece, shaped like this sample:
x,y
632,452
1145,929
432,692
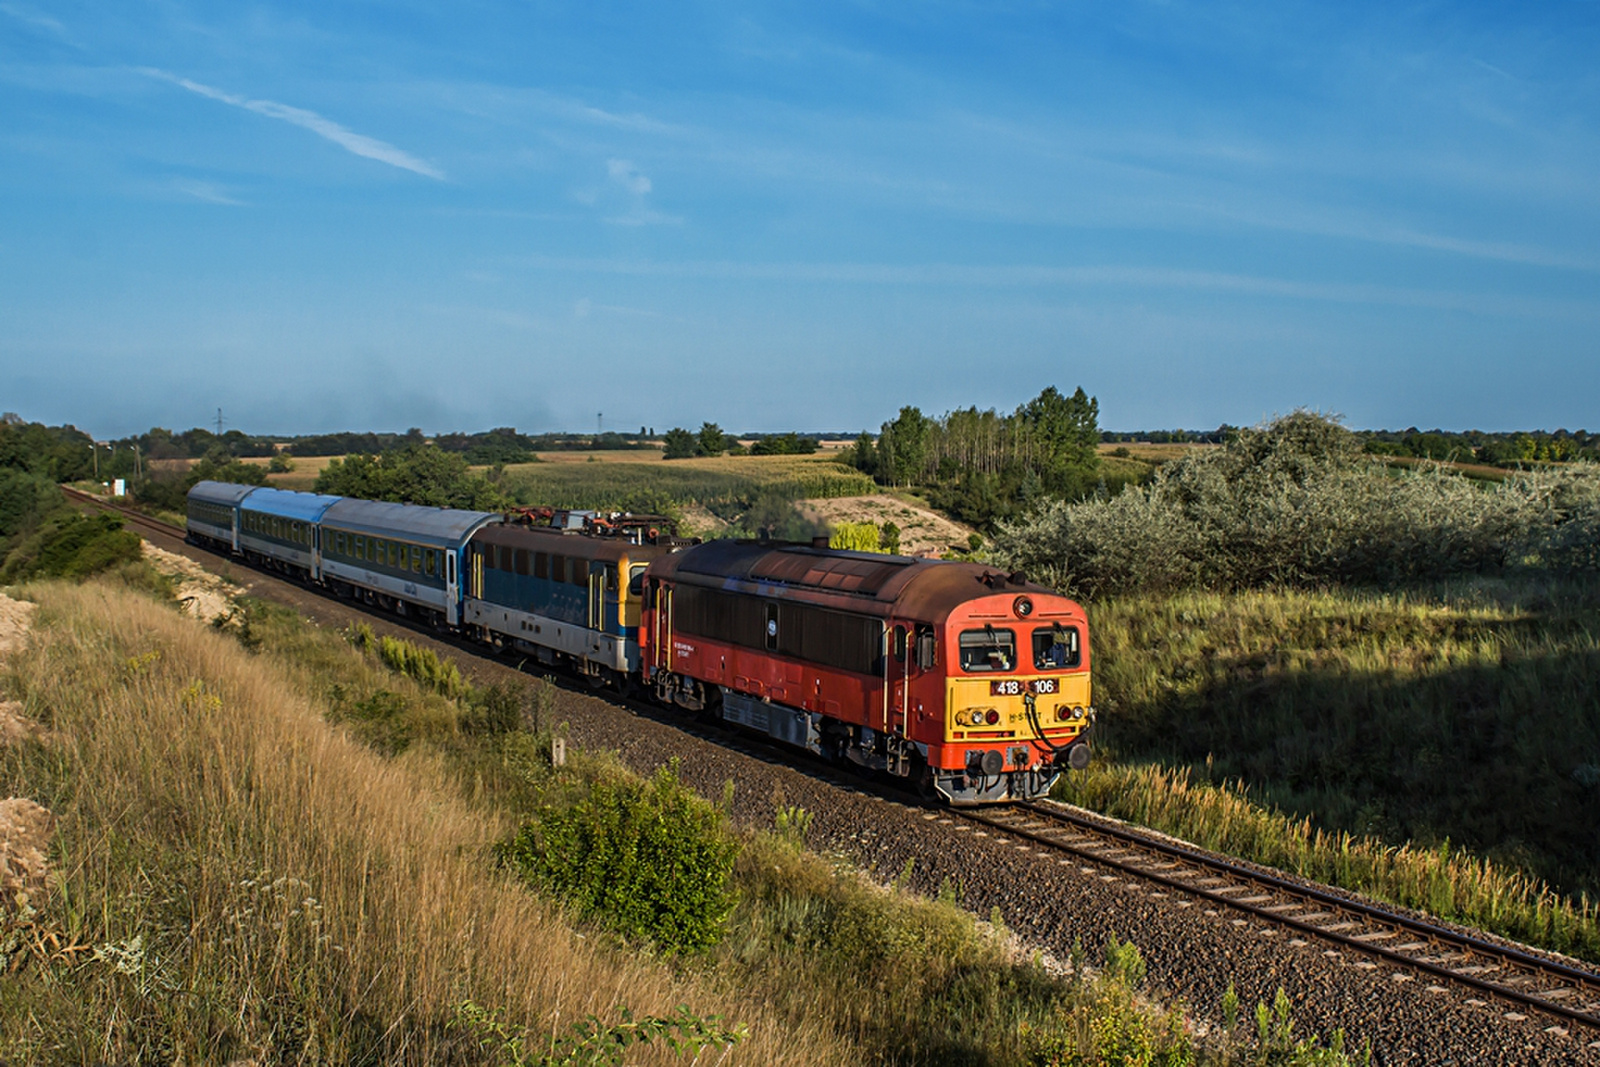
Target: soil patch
x,y
24,836
200,594
922,532
15,616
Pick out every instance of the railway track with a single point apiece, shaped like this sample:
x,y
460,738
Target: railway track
x,y
1520,978
1525,981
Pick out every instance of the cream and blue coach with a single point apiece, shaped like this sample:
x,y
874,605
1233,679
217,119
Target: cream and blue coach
x,y
213,513
402,557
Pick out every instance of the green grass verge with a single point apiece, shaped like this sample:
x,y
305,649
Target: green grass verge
x,y
1439,749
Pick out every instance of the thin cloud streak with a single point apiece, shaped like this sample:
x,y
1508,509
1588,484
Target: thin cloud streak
x,y
359,144
1010,277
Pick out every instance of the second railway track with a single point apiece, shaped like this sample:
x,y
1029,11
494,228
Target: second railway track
x,y
1522,978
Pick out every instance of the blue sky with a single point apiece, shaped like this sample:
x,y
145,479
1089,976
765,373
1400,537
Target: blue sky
x,y
458,216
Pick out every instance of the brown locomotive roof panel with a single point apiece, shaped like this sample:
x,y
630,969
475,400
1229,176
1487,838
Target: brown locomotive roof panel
x,y
851,581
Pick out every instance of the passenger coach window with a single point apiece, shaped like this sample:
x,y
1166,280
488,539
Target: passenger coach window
x,y
1055,648
988,649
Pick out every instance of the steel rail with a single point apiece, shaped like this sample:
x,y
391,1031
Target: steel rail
x,y
1441,940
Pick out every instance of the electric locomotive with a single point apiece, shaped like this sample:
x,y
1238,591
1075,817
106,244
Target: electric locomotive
x,y
971,682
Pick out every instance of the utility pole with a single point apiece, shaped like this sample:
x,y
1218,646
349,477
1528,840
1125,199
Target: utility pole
x,y
219,422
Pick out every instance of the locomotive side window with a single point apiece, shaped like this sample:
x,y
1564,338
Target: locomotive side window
x,y
580,572
541,565
988,649
1055,647
558,568
519,561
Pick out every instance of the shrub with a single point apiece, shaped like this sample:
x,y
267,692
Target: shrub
x,y
1295,503
647,859
73,546
855,536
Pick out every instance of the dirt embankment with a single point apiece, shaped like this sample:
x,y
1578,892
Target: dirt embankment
x,y
199,593
922,532
25,826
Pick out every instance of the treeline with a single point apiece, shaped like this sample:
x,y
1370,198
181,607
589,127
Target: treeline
x,y
982,466
503,445
419,474
711,441
1298,503
1519,449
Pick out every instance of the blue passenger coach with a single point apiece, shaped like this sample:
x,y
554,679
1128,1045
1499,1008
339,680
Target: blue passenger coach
x,y
400,556
279,528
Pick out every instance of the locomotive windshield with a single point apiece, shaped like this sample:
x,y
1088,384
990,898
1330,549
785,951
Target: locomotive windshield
x,y
1055,648
988,649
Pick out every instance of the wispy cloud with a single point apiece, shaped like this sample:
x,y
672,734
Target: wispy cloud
x,y
359,144
633,185
1028,276
39,22
209,192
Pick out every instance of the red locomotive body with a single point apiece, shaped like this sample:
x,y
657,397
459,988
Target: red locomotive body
x,y
974,683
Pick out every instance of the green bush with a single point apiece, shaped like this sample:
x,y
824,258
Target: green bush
x,y
73,546
647,859
1296,503
855,536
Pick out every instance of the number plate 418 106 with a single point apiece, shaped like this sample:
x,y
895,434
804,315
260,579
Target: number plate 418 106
x,y
1015,687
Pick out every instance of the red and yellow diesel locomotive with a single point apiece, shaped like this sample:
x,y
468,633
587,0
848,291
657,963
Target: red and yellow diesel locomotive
x,y
972,683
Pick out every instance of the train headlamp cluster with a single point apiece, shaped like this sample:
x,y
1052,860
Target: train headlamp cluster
x,y
978,717
1075,713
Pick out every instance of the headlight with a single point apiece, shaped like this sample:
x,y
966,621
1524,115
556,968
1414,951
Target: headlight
x,y
992,717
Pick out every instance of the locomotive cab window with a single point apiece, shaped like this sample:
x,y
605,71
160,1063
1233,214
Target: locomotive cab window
x,y
988,649
636,579
1056,648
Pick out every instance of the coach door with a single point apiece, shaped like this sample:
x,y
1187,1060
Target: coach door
x,y
451,601
597,594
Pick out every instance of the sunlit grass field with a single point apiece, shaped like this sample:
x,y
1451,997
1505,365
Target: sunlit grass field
x,y
628,482
1440,748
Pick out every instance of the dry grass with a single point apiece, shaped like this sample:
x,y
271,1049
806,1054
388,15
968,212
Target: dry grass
x,y
256,884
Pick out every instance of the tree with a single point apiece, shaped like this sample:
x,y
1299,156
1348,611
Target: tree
x,y
680,444
1067,434
418,474
711,440
903,447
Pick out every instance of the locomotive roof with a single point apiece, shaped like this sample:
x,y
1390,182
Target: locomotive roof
x,y
288,504
853,581
565,542
229,493
442,527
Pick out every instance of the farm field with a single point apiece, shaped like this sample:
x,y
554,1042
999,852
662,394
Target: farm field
x,y
656,484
